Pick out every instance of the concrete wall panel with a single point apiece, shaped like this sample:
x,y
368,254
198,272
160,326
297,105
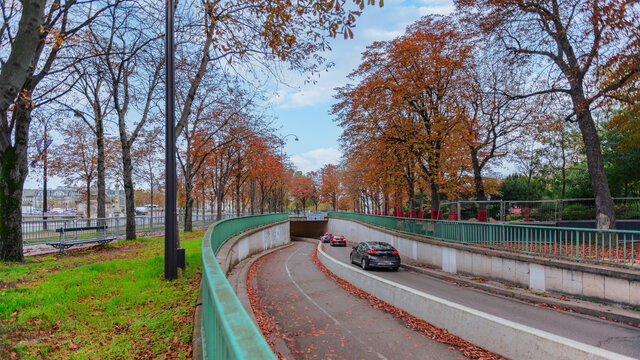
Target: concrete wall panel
x,y
498,335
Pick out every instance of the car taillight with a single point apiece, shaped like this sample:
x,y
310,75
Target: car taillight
x,y
395,251
372,251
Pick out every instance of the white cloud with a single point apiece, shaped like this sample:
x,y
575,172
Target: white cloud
x,y
307,97
436,10
315,159
376,34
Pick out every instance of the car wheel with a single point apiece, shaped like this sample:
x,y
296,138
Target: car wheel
x,y
351,258
364,264
395,268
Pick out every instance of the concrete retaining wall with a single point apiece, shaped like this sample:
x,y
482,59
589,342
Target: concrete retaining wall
x,y
252,242
538,273
500,336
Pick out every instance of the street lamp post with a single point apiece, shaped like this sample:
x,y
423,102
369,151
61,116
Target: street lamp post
x,y
284,141
170,226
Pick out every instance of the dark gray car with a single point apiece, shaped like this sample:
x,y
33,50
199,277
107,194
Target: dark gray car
x,y
375,254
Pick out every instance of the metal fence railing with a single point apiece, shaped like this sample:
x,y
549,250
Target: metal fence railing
x,y
611,247
227,330
41,231
540,210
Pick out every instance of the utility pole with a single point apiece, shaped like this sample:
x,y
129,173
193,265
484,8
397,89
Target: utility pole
x,y
170,226
42,146
44,178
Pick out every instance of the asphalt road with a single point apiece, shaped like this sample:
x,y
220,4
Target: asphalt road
x,y
619,338
320,320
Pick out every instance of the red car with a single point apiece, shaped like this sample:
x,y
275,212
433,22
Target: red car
x,y
338,240
326,237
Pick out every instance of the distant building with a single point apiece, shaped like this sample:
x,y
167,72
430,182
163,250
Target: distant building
x,y
68,198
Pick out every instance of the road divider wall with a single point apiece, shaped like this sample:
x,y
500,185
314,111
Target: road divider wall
x,y
495,334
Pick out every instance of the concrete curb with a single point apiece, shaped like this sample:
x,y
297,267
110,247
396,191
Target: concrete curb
x,y
616,316
495,334
196,344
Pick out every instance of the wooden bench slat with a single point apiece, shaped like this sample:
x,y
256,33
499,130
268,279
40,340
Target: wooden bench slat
x,y
76,236
61,230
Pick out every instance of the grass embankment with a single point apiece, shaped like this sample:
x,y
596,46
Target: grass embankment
x,y
104,303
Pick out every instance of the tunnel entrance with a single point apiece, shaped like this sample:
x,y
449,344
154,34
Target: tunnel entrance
x,y
308,228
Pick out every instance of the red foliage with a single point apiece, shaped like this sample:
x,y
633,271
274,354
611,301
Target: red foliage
x,y
266,323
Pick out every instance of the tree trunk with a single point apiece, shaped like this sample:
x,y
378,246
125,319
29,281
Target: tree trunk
x,y
435,196
130,209
237,197
14,172
477,179
203,199
605,216
252,195
262,196
386,203
102,194
15,73
411,192
88,199
188,204
218,206
564,173
151,199
89,203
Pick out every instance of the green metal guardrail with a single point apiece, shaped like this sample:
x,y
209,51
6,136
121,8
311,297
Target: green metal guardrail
x,y
611,247
227,330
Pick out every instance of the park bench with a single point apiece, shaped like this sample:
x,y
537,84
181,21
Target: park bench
x,y
81,235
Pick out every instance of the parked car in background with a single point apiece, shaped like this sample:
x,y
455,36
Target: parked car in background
x,y
141,210
30,210
338,240
370,254
326,237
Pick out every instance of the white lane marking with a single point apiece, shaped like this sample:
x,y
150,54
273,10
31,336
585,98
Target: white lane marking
x,y
286,266
464,311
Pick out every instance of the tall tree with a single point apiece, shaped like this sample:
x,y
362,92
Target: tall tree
x,y
302,189
589,49
410,93
148,163
330,188
76,159
494,121
129,48
37,42
88,80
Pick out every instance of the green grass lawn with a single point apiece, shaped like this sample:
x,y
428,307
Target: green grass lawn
x,y
103,303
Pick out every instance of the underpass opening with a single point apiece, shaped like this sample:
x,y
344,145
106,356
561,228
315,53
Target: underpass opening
x,y
308,228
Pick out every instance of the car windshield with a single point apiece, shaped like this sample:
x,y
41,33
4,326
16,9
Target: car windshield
x,y
381,246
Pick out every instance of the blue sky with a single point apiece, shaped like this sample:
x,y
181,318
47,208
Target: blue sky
x,y
304,110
